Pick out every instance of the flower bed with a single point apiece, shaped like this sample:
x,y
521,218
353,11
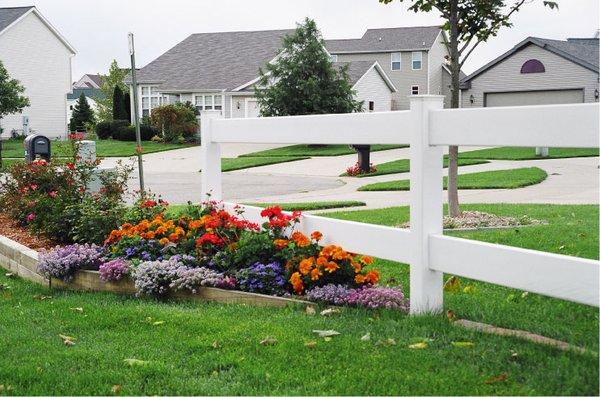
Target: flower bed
x,y
210,249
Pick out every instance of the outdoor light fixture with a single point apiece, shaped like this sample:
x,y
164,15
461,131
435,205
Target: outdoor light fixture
x,y
596,94
237,104
471,99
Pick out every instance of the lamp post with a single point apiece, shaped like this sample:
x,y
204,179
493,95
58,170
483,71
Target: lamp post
x,y
136,115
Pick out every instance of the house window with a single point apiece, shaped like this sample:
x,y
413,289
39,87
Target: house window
x,y
151,98
208,102
396,61
333,58
417,60
414,90
371,106
533,66
218,102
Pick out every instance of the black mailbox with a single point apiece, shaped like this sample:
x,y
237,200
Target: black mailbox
x,y
364,156
37,146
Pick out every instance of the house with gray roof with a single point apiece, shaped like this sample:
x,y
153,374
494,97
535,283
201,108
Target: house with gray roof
x,y
536,71
217,71
36,54
89,81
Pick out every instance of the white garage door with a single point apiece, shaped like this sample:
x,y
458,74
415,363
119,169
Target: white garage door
x,y
525,98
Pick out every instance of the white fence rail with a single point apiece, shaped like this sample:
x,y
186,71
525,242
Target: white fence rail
x,y
427,128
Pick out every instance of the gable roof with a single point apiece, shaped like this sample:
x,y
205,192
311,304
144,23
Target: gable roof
x,y
10,15
93,93
583,52
96,78
387,40
213,61
357,69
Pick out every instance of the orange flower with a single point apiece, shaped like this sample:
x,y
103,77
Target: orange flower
x,y
367,260
314,274
322,261
280,243
372,277
306,265
331,267
173,237
195,224
300,239
296,281
357,267
164,241
316,235
359,278
150,235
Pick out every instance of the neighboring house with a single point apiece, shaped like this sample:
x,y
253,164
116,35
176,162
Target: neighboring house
x,y
218,71
37,55
412,57
89,81
536,72
91,95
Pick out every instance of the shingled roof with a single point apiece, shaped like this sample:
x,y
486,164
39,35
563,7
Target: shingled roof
x,y
583,52
357,69
387,40
10,14
213,61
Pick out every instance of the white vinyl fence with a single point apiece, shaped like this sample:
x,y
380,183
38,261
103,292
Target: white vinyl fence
x,y
428,128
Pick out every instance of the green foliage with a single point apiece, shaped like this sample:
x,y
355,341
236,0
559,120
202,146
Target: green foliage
x,y
175,121
119,107
11,90
104,129
94,217
82,115
251,248
114,78
303,80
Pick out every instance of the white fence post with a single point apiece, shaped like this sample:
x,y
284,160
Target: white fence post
x,y
426,206
211,158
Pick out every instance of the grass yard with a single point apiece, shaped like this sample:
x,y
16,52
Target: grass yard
x,y
523,153
104,148
316,151
211,348
403,165
239,163
500,179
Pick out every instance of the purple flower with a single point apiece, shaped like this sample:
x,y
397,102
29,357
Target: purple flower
x,y
333,294
114,270
379,297
191,278
63,262
261,278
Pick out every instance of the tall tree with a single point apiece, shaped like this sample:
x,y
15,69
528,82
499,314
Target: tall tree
x,y
467,23
119,112
12,99
82,114
127,105
303,80
114,78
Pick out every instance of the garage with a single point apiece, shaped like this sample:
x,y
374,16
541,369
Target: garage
x,y
526,98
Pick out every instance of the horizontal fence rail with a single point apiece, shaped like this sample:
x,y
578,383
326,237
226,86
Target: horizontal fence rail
x,y
427,127
548,126
355,237
559,276
326,129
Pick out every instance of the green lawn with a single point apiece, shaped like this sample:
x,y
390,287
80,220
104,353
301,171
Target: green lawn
x,y
403,165
501,179
523,153
316,150
238,163
104,148
215,349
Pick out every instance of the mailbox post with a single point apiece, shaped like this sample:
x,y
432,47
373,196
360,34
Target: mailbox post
x,y
364,156
37,146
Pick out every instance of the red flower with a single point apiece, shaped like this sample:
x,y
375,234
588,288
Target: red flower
x,y
70,166
52,194
33,187
149,204
212,239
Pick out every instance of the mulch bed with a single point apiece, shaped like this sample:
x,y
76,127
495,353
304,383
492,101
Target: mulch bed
x,y
477,219
18,233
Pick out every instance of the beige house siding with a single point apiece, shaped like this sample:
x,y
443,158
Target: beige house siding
x,y
36,57
372,87
402,79
560,74
437,83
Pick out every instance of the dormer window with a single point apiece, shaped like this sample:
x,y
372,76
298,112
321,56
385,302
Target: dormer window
x,y
533,66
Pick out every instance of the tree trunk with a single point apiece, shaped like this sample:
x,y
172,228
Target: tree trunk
x,y
453,207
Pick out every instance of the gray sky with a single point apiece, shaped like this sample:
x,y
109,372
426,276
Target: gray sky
x,y
98,28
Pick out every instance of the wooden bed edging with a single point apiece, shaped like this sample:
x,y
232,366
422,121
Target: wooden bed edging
x,y
23,261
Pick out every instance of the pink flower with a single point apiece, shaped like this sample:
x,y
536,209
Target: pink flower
x,y
33,187
31,217
52,194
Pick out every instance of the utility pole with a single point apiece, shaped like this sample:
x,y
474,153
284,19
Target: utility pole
x,y
136,115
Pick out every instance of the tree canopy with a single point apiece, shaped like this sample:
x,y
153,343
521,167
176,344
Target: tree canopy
x,y
303,80
12,99
82,114
113,79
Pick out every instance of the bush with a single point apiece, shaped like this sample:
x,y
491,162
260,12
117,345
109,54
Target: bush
x,y
127,132
175,121
104,129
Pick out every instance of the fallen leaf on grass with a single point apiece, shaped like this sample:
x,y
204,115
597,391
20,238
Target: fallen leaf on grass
x,y
452,284
463,344
41,297
469,289
77,309
329,312
325,333
311,344
310,310
67,340
134,362
216,345
387,342
9,274
497,379
327,339
418,346
116,389
158,323
366,337
4,388
268,341
4,287
451,316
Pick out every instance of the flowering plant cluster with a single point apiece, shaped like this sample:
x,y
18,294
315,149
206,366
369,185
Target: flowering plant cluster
x,y
356,170
63,262
370,297
265,279
113,270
